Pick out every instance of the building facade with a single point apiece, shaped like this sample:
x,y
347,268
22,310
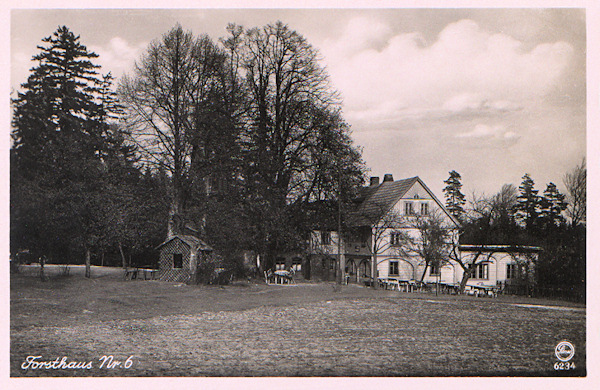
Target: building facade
x,y
387,228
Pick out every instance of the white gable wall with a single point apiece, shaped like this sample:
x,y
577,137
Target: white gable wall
x,y
413,265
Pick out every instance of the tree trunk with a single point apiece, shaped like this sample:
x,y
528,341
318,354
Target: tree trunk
x,y
122,256
465,279
424,272
88,263
374,271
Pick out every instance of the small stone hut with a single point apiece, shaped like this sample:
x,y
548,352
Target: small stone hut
x,y
179,257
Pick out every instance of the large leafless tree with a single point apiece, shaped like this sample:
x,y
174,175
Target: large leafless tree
x,y
179,91
488,216
295,142
292,111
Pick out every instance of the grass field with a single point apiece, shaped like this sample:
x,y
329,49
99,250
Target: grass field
x,y
250,329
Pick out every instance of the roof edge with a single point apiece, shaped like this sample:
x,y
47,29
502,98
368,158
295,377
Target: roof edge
x,y
501,248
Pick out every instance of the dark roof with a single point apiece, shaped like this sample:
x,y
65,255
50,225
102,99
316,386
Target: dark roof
x,y
191,241
374,202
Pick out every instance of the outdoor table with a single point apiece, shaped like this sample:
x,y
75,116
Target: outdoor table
x,y
149,274
138,273
486,290
130,273
282,276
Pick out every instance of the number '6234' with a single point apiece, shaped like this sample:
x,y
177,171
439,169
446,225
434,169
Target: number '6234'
x,y
564,366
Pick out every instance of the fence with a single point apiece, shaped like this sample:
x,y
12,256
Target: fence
x,y
573,294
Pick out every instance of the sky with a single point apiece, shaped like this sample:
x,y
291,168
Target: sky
x,y
490,93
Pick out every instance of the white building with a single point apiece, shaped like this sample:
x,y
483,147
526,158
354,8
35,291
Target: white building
x,y
384,228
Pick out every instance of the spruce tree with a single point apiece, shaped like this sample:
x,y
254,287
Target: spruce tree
x,y
60,149
528,203
552,205
455,199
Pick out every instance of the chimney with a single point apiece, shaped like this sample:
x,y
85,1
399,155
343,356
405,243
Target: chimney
x,y
388,177
374,181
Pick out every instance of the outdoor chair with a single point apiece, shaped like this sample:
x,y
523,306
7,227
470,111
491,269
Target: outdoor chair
x,y
393,284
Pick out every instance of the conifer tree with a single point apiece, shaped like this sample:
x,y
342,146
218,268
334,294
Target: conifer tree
x,y
455,199
60,151
528,203
552,205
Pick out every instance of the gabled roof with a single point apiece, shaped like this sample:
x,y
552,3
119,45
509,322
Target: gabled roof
x,y
376,201
191,241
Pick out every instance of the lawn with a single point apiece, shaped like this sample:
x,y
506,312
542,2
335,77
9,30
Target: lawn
x,y
250,329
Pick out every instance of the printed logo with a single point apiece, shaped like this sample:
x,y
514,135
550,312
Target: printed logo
x,y
564,351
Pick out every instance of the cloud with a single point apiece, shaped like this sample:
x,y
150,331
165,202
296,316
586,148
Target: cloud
x,y
470,102
465,69
486,135
118,55
361,33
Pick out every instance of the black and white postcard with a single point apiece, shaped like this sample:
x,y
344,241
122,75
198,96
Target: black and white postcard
x,y
300,194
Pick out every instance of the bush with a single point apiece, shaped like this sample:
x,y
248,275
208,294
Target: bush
x,y
211,270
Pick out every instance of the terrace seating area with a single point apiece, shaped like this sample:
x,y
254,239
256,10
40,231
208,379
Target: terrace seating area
x,y
412,285
279,277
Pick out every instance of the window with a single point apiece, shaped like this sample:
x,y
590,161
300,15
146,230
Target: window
x,y
408,208
326,238
279,263
395,238
393,268
481,271
512,271
424,208
297,264
434,269
177,260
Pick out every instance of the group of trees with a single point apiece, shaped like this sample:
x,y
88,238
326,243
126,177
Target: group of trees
x,y
243,139
74,183
520,217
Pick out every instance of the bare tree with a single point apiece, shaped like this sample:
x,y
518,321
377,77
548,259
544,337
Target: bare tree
x,y
294,141
488,216
290,107
432,242
575,181
166,99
